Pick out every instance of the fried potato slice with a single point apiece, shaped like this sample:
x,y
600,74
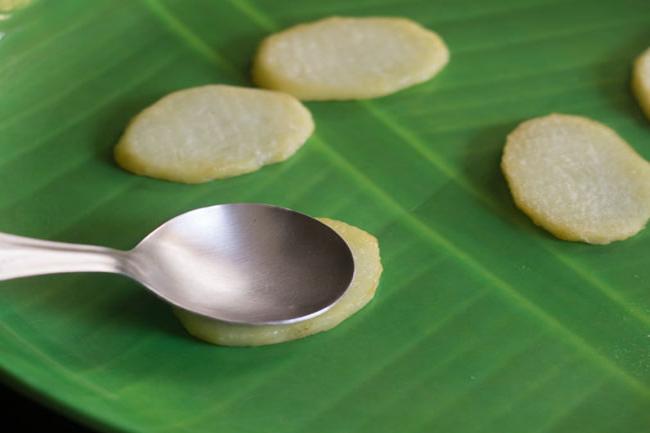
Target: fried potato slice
x,y
577,178
349,58
641,81
211,132
368,269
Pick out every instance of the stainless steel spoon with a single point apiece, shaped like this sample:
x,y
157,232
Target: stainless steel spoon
x,y
240,263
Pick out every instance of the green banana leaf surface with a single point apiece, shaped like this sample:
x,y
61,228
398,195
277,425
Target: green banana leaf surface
x,y
483,322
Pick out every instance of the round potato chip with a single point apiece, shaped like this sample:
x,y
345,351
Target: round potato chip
x,y
641,81
349,58
212,132
577,178
367,270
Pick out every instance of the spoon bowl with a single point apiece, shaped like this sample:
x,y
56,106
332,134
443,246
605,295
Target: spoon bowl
x,y
240,263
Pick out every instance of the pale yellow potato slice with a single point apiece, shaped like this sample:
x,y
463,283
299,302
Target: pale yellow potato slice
x,y
12,5
213,132
367,270
577,178
349,58
641,81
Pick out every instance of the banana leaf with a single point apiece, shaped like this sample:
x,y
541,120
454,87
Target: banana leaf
x,y
483,322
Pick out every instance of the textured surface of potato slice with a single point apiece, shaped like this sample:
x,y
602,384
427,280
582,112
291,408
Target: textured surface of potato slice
x,y
349,58
577,178
212,132
641,81
365,251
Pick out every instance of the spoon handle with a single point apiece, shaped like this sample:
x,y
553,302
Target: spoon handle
x,y
22,257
